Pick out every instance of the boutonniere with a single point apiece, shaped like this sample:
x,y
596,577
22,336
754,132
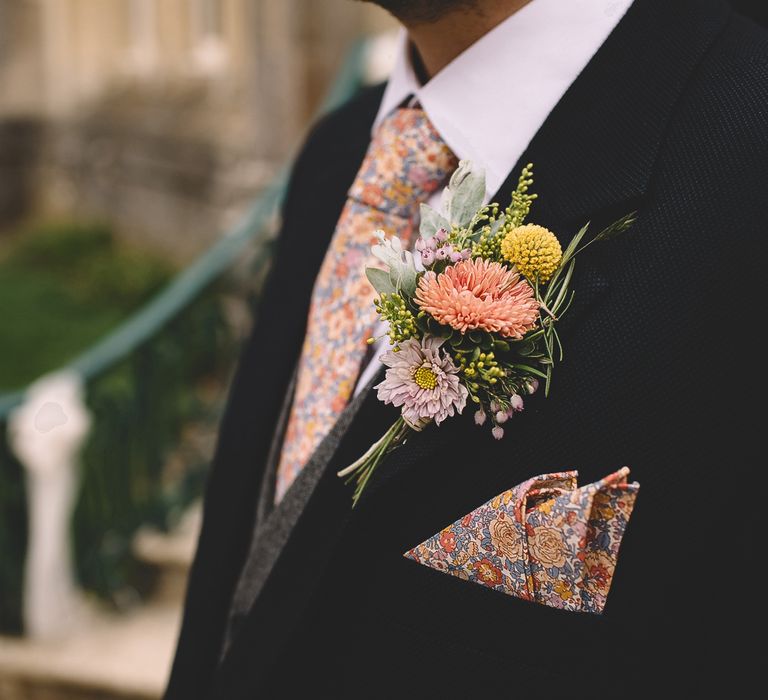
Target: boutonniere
x,y
472,313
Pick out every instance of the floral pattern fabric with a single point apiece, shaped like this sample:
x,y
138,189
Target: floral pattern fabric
x,y
406,162
545,540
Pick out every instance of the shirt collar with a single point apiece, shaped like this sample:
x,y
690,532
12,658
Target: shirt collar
x,y
490,101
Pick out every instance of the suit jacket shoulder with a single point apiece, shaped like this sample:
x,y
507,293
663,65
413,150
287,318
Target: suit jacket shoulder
x,y
727,96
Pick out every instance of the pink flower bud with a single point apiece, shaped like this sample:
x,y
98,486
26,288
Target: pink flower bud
x,y
427,257
466,254
516,402
501,417
480,417
495,406
421,244
498,432
532,385
441,235
442,253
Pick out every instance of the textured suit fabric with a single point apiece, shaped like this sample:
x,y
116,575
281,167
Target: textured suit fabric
x,y
756,10
661,371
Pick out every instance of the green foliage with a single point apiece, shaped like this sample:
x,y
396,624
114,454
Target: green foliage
x,y
142,406
402,271
68,287
520,205
380,280
466,191
90,266
402,323
488,245
493,224
617,227
62,287
431,221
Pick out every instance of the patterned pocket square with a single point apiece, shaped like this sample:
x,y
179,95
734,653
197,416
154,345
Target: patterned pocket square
x,y
545,540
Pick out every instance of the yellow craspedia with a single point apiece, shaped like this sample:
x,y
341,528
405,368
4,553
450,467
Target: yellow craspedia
x,y
534,250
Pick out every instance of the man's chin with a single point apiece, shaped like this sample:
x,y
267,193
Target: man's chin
x,y
422,10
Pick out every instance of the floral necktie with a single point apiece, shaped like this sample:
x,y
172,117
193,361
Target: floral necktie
x,y
406,162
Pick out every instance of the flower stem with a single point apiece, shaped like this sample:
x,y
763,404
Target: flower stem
x,y
362,469
356,464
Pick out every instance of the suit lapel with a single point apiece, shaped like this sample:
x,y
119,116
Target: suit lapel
x,y
284,305
593,159
275,524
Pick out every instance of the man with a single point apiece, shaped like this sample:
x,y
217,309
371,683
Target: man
x,y
655,106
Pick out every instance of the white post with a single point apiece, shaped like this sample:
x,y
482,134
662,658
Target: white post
x,y
46,433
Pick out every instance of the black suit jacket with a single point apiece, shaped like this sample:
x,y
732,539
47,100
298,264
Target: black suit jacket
x,y
662,359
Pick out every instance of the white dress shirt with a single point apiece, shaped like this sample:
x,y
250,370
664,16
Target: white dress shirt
x,y
489,102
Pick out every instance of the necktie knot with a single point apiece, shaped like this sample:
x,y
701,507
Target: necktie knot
x,y
406,162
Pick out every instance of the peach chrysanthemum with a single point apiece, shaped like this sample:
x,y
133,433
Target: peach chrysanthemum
x,y
479,294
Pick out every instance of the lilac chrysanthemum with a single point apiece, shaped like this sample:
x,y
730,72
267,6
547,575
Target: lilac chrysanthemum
x,y
424,381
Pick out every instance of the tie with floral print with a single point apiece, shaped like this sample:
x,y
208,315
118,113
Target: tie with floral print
x,y
405,163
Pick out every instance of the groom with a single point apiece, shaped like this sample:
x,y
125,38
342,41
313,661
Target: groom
x,y
658,106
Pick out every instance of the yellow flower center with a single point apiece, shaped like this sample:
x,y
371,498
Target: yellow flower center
x,y
425,378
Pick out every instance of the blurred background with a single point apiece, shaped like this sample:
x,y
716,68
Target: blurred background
x,y
143,146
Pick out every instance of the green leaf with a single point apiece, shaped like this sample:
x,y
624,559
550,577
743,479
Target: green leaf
x,y
559,343
467,191
496,225
403,277
617,227
380,280
402,270
564,287
573,245
531,370
431,222
526,349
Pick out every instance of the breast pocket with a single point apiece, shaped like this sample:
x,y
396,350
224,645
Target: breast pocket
x,y
450,623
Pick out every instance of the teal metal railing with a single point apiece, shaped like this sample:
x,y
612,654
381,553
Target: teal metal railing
x,y
252,230
133,378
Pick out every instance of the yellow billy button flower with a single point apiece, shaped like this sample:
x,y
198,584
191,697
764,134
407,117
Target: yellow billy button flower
x,y
534,250
425,378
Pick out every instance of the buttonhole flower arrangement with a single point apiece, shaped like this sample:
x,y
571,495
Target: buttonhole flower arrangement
x,y
472,312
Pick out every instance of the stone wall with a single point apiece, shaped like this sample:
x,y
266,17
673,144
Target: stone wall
x,y
20,140
156,166
163,117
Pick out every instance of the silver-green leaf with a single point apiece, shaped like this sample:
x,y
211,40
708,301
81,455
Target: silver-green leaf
x,y
380,280
467,187
431,222
402,269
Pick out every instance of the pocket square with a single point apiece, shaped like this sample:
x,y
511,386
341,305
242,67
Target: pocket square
x,y
545,540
